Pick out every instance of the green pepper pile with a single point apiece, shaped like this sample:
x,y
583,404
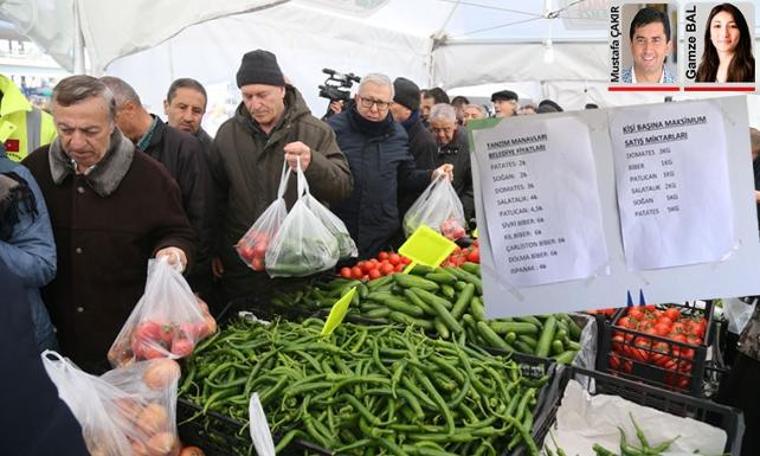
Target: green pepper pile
x,y
366,390
445,302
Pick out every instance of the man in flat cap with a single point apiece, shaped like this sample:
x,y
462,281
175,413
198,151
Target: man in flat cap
x,y
271,125
505,103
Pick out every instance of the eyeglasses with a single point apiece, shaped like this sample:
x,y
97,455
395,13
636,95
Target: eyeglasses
x,y
368,102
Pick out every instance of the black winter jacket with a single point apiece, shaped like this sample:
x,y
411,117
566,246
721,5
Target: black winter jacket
x,y
182,155
381,164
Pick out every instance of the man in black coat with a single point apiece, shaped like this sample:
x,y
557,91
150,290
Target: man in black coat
x,y
185,106
183,157
377,149
453,148
35,421
406,111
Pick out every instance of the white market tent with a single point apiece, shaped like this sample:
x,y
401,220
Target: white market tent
x,y
540,48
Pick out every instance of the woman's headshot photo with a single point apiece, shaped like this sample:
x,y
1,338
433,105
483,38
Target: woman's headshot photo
x,y
727,55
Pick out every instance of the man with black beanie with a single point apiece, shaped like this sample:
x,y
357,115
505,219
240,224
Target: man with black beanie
x,y
271,125
406,111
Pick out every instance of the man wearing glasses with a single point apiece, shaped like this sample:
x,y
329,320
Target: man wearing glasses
x,y
377,149
272,124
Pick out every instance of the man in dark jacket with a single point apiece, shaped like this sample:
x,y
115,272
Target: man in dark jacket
x,y
185,106
377,149
182,156
34,422
453,147
112,208
271,125
406,110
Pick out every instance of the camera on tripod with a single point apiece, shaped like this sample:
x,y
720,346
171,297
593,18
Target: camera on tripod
x,y
337,85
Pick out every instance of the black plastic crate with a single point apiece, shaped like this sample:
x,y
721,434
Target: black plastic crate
x,y
724,417
652,359
220,435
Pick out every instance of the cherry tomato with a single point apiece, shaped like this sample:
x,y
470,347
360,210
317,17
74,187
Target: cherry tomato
x,y
356,272
474,255
398,268
375,274
345,273
394,259
383,256
386,268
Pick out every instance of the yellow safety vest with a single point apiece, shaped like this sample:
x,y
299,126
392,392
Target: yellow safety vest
x,y
23,128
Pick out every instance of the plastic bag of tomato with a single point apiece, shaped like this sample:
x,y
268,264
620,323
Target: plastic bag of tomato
x,y
386,263
661,345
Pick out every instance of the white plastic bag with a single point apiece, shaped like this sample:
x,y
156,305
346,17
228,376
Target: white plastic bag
x,y
346,245
439,208
303,246
167,322
252,247
119,413
737,313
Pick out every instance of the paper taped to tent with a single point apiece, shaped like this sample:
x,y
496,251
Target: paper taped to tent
x,y
554,49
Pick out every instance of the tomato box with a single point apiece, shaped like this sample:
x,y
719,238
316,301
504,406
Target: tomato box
x,y
665,345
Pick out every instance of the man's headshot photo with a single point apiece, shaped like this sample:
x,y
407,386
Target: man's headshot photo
x,y
650,46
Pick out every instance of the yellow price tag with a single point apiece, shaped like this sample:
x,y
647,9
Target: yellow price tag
x,y
338,312
475,233
426,246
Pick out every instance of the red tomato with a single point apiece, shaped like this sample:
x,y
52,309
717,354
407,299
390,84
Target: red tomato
x,y
650,307
365,278
257,264
383,256
345,273
375,274
673,313
386,268
678,337
405,260
665,321
662,329
394,259
365,266
373,263
474,255
636,313
356,272
678,328
625,322
398,268
182,347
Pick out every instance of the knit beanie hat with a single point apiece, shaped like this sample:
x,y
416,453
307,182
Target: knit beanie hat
x,y
260,67
407,93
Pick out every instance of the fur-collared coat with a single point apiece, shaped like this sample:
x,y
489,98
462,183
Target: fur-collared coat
x,y
107,223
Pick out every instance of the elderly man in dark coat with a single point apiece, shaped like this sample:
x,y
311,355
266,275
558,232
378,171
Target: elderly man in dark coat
x,y
377,149
112,209
271,125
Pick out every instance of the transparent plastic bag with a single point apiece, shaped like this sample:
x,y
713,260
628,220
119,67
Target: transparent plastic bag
x,y
119,413
439,208
252,247
167,322
738,313
346,245
303,246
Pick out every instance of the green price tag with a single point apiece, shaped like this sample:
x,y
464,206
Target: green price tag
x,y
338,312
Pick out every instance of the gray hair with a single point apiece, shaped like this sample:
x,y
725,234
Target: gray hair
x,y
480,109
122,91
443,111
80,87
377,79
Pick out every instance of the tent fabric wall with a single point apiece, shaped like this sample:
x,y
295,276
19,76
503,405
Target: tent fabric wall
x,y
305,41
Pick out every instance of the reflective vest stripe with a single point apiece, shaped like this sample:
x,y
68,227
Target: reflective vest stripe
x,y
33,130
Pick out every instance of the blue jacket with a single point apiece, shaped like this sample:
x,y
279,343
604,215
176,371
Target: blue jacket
x,y
381,164
31,255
